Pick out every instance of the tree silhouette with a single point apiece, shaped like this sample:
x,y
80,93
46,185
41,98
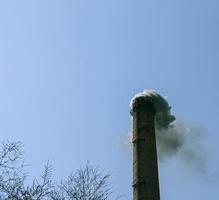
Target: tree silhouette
x,y
87,183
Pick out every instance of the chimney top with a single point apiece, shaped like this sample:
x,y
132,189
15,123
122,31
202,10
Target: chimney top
x,y
142,103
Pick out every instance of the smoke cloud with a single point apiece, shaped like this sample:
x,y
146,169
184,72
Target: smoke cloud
x,y
175,137
163,116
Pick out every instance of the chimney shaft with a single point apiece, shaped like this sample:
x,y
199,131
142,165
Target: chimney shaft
x,y
145,167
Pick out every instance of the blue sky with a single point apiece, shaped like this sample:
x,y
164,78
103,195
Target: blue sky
x,y
69,68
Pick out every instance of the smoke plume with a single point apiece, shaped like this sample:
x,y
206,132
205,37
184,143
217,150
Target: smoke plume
x,y
163,116
174,137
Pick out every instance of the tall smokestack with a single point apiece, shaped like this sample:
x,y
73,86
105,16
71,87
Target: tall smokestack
x,y
145,167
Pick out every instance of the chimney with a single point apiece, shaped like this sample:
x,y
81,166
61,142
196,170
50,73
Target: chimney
x,y
145,167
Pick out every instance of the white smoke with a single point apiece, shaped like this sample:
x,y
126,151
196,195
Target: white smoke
x,y
163,116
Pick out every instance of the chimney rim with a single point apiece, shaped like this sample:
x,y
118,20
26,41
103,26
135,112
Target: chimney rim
x,y
143,103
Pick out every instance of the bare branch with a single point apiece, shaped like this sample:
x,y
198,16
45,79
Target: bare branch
x,y
87,183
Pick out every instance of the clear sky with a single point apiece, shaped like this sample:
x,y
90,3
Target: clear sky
x,y
68,69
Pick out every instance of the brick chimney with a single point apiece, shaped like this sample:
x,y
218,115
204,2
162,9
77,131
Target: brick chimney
x,y
145,166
